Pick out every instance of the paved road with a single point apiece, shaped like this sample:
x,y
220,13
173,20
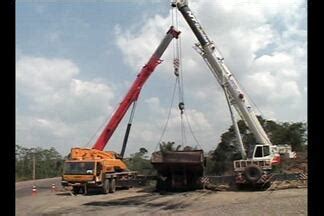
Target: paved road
x,y
24,188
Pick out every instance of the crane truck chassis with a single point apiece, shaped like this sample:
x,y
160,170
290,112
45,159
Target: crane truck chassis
x,y
95,172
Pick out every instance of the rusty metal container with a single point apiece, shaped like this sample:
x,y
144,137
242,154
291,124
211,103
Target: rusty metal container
x,y
179,170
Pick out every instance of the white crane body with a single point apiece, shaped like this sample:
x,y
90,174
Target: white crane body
x,y
265,154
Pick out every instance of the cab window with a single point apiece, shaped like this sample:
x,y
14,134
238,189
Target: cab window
x,y
78,168
266,151
258,152
99,168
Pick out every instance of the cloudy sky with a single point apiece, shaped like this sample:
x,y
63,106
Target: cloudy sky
x,y
75,60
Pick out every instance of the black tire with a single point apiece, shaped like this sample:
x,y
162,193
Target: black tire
x,y
125,187
112,185
239,186
76,189
252,173
266,185
164,185
85,189
105,186
195,183
160,185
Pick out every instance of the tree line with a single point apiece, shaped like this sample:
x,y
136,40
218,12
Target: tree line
x,y
49,163
220,160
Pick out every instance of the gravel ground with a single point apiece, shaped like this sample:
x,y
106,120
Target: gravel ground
x,y
144,201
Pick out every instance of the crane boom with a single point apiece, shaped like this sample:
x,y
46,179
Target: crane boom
x,y
86,168
134,90
215,62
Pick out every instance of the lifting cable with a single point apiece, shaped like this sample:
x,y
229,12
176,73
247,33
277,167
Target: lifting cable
x,y
168,118
181,90
177,65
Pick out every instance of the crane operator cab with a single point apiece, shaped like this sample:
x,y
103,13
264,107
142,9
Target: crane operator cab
x,y
266,152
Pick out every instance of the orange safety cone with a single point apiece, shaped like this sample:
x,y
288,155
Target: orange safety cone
x,y
34,190
53,187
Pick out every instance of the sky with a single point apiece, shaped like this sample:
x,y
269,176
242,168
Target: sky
x,y
75,60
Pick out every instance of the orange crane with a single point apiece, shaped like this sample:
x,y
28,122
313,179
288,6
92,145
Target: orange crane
x,y
87,168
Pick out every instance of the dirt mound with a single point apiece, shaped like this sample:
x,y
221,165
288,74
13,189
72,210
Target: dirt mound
x,y
295,165
220,187
281,185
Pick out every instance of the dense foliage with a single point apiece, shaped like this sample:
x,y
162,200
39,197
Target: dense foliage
x,y
140,162
48,163
220,161
170,146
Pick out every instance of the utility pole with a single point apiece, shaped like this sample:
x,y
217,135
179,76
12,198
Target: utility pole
x,y
34,163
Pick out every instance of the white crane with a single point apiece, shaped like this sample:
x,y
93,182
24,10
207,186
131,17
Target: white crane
x,y
265,154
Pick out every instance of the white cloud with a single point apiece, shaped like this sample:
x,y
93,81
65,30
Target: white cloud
x,y
62,110
264,44
35,73
138,57
153,103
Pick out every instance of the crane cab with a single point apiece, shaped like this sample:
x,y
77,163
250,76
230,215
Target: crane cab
x,y
266,152
272,152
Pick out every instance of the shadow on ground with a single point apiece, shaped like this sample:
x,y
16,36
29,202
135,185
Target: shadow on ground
x,y
146,201
91,192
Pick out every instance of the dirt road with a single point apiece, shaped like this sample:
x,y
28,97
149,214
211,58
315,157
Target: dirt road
x,y
140,201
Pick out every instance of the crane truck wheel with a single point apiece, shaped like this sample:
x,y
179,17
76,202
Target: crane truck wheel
x,y
252,173
76,189
105,187
112,185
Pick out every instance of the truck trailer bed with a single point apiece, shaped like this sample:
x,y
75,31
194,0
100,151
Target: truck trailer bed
x,y
178,170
